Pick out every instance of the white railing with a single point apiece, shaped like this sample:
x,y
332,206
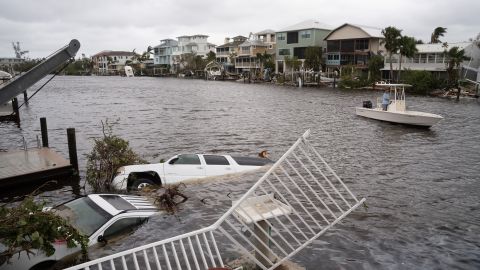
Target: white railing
x,y
292,204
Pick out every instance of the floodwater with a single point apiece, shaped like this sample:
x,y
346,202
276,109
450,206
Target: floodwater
x,y
422,186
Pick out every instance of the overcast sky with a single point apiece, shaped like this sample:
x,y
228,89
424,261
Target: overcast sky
x,y
43,26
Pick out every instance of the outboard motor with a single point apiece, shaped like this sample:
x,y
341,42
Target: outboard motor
x,y
367,104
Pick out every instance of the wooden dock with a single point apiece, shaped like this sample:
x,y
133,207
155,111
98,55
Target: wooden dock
x,y
17,167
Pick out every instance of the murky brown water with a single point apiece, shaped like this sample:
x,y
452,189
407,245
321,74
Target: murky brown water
x,y
422,186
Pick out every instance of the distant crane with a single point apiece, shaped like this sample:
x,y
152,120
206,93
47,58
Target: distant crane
x,y
18,52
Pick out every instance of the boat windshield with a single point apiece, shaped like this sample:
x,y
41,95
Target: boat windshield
x,y
84,215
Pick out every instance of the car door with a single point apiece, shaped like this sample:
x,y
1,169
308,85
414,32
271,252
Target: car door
x,y
183,167
217,165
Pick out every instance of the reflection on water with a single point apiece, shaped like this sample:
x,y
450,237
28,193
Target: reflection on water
x,y
421,186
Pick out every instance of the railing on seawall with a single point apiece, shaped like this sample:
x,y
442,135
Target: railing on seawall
x,y
297,200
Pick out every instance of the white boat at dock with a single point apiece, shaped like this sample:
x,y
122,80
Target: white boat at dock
x,y
396,111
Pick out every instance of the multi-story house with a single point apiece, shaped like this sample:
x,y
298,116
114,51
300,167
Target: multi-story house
x,y
247,55
111,62
162,54
431,57
351,44
226,53
293,40
268,37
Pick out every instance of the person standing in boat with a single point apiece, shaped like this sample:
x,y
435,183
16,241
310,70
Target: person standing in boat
x,y
385,100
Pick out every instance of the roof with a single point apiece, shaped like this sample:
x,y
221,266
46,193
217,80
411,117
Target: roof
x,y
251,42
438,47
115,204
308,24
266,31
231,44
199,35
369,30
114,53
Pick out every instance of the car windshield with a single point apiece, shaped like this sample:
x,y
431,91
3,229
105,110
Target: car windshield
x,y
84,215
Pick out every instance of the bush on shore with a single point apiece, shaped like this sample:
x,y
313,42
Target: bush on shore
x,y
108,154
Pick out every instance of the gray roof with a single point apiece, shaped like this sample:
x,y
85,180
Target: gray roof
x,y
369,30
308,24
438,47
266,31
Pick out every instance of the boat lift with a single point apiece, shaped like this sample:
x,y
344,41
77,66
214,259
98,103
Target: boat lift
x,y
296,201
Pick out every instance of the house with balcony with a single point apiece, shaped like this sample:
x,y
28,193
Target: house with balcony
x,y
162,54
196,44
431,57
351,44
268,37
227,52
247,55
292,41
111,62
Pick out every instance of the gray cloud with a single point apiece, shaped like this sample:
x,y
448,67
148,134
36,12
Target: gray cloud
x,y
44,26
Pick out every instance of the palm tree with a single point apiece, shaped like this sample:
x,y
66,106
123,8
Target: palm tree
x,y
437,33
408,49
455,58
392,38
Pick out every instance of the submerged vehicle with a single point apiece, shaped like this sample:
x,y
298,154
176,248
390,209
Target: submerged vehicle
x,y
396,111
101,217
183,167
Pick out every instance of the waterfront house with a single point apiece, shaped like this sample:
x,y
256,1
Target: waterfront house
x,y
430,57
162,54
111,62
353,45
227,52
195,44
268,37
293,40
246,59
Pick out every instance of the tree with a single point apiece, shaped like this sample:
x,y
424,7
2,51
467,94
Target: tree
x,y
407,48
263,59
375,64
313,58
437,33
419,41
211,56
292,63
455,58
392,39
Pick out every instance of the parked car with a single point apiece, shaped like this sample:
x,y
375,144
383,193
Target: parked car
x,y
183,167
102,217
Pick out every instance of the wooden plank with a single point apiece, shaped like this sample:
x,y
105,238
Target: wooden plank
x,y
33,163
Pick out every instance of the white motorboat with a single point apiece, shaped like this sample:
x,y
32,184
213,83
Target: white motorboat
x,y
396,111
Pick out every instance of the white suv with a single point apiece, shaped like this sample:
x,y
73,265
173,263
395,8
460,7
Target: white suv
x,y
101,217
183,167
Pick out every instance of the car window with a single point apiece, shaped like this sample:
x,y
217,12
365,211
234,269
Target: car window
x,y
84,215
251,161
215,160
123,226
187,160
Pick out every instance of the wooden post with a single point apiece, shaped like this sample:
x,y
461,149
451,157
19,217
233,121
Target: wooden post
x,y
261,246
43,129
25,97
72,148
334,81
16,111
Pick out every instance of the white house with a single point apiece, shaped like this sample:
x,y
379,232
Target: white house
x,y
111,62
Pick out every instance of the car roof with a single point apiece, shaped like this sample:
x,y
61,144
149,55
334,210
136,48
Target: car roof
x,y
115,204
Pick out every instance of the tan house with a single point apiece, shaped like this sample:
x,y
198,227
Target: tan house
x,y
111,62
351,44
247,55
228,51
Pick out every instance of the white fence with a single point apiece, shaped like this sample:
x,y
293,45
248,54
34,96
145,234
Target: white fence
x,y
295,202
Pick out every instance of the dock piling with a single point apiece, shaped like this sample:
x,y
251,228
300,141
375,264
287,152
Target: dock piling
x,y
16,110
43,129
25,97
72,148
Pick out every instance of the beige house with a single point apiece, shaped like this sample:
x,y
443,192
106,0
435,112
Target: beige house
x,y
111,62
351,44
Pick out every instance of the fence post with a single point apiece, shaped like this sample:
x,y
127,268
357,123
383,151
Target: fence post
x,y
43,130
25,97
262,247
16,110
72,148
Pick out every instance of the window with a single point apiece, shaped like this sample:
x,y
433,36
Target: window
x,y
305,34
122,226
249,161
281,36
284,52
333,45
299,52
186,160
215,160
292,37
361,44
347,45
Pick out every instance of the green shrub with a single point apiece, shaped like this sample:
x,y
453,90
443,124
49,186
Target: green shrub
x,y
108,154
422,81
26,226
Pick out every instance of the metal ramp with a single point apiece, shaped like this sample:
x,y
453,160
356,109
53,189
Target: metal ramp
x,y
297,200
